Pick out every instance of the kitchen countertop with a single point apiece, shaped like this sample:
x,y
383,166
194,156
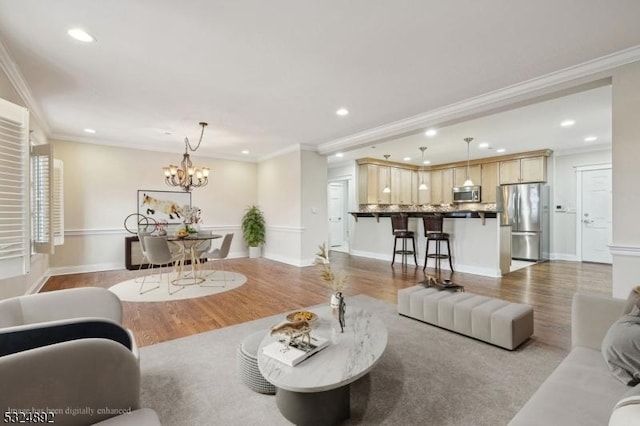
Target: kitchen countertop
x,y
465,214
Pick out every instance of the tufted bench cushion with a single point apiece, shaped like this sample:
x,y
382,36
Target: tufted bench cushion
x,y
495,321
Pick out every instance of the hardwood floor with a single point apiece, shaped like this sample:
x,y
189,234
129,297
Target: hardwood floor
x,y
274,287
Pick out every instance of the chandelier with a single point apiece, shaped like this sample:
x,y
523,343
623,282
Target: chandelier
x,y
187,176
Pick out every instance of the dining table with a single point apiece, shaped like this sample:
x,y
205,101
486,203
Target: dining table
x,y
191,248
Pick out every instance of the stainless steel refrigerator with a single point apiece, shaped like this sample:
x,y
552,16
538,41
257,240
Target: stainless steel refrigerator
x,y
526,208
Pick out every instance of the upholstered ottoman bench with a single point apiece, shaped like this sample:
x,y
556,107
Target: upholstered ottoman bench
x,y
494,321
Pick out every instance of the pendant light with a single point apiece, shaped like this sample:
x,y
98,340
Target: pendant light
x,y
468,182
423,186
387,188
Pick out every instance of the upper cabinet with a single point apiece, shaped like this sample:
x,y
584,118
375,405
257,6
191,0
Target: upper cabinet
x,y
442,186
404,180
460,174
402,188
371,183
522,170
374,178
490,179
424,195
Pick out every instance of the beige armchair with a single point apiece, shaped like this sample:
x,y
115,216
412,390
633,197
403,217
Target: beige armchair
x,y
30,321
74,383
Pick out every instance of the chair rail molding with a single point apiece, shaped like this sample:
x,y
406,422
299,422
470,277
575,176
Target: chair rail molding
x,y
620,250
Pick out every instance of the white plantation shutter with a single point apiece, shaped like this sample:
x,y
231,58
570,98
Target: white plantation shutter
x,y
14,190
42,198
57,212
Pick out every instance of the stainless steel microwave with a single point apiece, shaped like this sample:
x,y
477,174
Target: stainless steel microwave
x,y
466,194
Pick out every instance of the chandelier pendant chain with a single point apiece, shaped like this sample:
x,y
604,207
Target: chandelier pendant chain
x,y
188,144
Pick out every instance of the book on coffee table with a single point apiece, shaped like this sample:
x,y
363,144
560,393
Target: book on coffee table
x,y
295,353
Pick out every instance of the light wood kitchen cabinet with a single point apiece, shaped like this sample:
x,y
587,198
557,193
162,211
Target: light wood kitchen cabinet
x,y
424,195
442,186
401,186
460,175
530,169
490,179
371,182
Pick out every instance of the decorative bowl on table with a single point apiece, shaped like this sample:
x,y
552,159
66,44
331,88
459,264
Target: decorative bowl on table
x,y
302,316
182,233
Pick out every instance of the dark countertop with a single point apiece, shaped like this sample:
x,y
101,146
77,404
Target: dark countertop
x,y
452,214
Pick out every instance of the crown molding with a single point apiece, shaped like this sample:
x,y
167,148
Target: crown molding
x,y
287,150
483,102
142,147
11,69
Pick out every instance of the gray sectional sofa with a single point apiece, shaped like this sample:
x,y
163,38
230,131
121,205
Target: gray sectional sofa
x,y
582,391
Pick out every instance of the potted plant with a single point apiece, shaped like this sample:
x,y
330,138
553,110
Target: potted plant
x,y
253,230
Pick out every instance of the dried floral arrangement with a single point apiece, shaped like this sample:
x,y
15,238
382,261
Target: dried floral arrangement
x,y
335,281
190,214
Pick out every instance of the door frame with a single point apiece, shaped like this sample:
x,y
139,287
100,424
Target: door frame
x,y
344,223
579,171
349,205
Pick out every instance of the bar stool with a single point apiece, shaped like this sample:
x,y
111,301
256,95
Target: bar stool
x,y
400,228
433,232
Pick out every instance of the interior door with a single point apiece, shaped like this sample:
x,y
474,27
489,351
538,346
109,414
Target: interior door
x,y
596,215
336,213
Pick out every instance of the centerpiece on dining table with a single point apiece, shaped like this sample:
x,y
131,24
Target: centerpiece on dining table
x,y
191,220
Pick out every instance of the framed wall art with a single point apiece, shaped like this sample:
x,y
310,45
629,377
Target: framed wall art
x,y
163,206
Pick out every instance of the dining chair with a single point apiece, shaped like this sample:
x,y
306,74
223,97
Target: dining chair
x,y
143,279
220,254
159,254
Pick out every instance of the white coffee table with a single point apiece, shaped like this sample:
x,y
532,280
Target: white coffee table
x,y
316,391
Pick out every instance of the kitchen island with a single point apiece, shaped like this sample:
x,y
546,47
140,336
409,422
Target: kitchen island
x,y
475,236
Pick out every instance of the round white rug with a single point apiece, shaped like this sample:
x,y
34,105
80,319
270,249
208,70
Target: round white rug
x,y
128,291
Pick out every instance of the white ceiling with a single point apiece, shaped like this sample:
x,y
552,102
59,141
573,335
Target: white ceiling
x,y
521,129
267,75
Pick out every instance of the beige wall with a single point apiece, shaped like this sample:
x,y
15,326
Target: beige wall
x,y
292,190
279,195
626,166
100,190
313,204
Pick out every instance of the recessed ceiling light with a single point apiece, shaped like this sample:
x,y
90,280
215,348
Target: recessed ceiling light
x,y
245,151
90,131
590,138
426,162
339,154
342,112
431,133
500,150
483,145
568,123
81,35
407,158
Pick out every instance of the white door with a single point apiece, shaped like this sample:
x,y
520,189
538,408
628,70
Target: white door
x,y
596,215
336,213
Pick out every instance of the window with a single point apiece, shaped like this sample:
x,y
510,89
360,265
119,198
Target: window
x,y
14,194
47,220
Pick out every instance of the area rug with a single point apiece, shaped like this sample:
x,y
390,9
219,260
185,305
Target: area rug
x,y
128,291
427,375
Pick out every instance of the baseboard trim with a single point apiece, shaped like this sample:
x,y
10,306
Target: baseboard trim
x,y
37,286
563,256
80,269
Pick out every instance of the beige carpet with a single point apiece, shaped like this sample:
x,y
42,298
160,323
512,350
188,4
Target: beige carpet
x,y
128,291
